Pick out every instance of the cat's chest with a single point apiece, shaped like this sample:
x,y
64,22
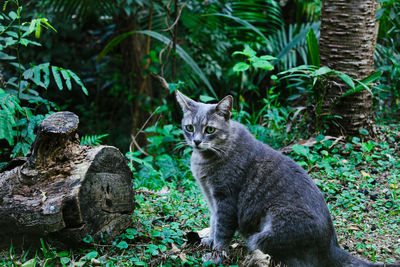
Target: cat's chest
x,y
205,169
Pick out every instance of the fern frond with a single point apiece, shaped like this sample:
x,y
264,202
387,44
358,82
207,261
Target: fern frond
x,y
9,106
92,140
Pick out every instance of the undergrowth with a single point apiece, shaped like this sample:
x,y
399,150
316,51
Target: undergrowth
x,y
360,178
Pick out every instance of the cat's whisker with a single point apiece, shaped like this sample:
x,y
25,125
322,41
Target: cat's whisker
x,y
220,152
180,145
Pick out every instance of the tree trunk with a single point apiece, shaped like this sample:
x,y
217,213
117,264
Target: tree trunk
x,y
64,190
347,44
134,49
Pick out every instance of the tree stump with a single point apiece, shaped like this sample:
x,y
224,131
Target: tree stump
x,y
64,190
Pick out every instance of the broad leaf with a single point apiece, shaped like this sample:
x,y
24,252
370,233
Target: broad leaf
x,y
241,66
263,64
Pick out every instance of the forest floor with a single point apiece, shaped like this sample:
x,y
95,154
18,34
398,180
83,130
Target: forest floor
x,y
360,178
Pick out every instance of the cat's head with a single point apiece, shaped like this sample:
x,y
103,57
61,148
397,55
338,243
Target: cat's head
x,y
205,126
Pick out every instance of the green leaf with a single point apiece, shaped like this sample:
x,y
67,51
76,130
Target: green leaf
x,y
57,77
346,78
113,43
373,77
78,81
37,31
241,66
91,255
242,22
362,85
12,34
32,26
13,15
92,140
67,79
313,48
185,57
46,22
267,57
122,245
287,48
9,41
363,131
248,51
322,71
25,42
36,75
131,233
64,260
28,74
46,76
206,98
62,254
301,150
29,263
180,51
263,64
88,239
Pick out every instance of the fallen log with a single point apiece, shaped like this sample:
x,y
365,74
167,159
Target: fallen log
x,y
64,190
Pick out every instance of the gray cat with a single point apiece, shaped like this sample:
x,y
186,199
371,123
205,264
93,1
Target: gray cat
x,y
256,190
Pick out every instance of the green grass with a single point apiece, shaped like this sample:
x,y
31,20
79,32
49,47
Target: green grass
x,y
359,176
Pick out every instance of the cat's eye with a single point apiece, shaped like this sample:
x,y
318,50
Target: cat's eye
x,y
210,129
189,128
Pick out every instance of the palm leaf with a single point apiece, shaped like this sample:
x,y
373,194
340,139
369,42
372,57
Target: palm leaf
x,y
287,45
246,24
263,14
180,51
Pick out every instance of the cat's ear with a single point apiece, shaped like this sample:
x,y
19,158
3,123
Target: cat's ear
x,y
185,102
224,107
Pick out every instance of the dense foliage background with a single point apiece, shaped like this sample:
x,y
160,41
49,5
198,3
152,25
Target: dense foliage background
x,y
116,63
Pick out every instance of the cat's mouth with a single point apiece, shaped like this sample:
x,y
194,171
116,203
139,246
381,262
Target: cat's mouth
x,y
201,147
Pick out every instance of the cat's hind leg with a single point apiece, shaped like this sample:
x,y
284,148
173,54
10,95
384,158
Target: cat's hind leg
x,y
293,244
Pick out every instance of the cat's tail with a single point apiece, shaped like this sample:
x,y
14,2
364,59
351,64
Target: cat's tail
x,y
345,259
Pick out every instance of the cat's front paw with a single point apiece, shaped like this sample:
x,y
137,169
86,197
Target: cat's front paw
x,y
257,259
216,257
207,241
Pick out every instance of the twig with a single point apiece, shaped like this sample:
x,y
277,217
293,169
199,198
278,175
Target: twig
x,y
336,141
163,82
137,146
145,123
177,18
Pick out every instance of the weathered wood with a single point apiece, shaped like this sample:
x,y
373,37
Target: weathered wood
x,y
64,190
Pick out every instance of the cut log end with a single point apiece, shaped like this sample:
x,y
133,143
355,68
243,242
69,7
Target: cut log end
x,y
64,190
59,123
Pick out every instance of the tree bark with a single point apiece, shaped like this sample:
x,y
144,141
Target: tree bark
x,y
64,190
134,49
347,44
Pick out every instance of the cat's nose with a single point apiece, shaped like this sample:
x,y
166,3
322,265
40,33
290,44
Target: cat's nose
x,y
197,142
